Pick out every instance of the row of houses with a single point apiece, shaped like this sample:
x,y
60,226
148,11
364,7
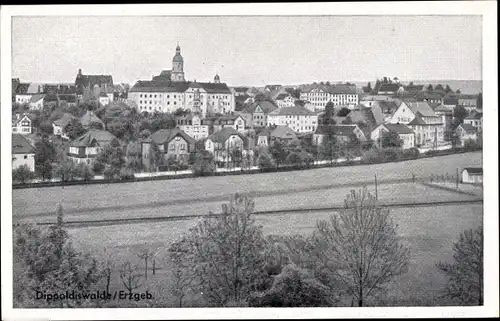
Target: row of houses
x,y
86,88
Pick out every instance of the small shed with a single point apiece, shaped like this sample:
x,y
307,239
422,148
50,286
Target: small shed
x,y
472,175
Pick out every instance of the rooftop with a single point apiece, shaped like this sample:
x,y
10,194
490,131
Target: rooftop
x,y
20,145
399,128
95,136
292,111
164,136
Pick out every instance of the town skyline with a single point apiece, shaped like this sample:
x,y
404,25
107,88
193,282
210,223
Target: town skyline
x,y
244,54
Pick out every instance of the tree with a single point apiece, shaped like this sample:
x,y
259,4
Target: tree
x,y
204,163
377,86
480,101
67,171
430,88
133,156
465,283
458,91
112,158
344,111
265,160
131,280
459,114
329,111
145,254
360,247
328,147
368,88
226,253
278,152
45,154
448,89
46,127
439,87
46,261
22,174
85,172
294,287
390,139
74,129
182,273
155,156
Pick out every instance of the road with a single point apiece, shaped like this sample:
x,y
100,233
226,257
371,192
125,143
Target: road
x,y
198,195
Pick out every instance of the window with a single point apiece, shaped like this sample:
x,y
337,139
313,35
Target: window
x,y
25,156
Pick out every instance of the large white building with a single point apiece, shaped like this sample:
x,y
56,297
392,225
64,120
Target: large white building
x,y
341,95
299,119
169,91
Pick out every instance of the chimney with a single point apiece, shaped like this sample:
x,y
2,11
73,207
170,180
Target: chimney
x,y
79,72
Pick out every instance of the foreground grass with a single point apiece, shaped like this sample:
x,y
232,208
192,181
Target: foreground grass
x,y
429,232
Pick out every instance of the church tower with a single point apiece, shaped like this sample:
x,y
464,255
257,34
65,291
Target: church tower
x,y
217,79
178,66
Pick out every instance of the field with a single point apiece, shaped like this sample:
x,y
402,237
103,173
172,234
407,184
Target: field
x,y
428,231
198,195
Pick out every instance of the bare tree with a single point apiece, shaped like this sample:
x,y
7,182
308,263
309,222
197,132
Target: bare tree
x,y
107,272
359,247
145,254
129,277
465,284
183,276
226,252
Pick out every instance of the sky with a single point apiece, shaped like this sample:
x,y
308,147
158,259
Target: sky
x,y
249,50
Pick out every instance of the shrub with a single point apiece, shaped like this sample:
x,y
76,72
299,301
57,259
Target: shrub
x,y
391,154
371,156
411,153
111,172
126,174
98,166
22,174
204,164
293,287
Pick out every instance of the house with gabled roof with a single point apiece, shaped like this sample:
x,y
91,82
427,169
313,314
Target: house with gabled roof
x,y
475,119
469,102
89,118
86,84
404,132
59,125
194,126
224,145
23,153
344,133
419,116
171,142
256,114
84,149
36,101
21,124
285,100
472,175
465,132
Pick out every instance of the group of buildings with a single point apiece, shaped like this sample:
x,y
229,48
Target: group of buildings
x,y
224,119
